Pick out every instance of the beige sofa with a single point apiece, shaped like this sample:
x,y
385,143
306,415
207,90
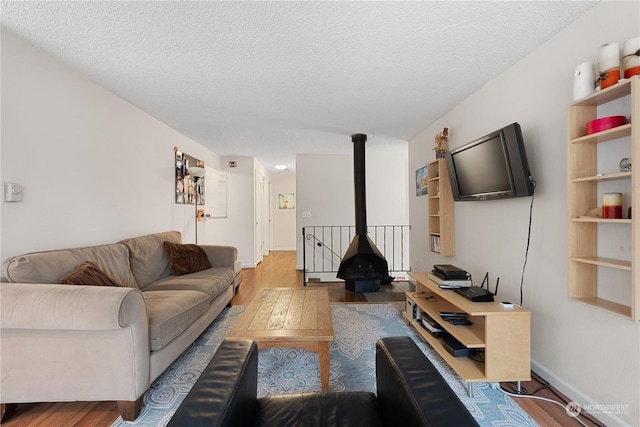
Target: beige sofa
x,y
93,343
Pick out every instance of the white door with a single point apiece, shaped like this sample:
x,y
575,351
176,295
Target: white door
x,y
266,215
258,215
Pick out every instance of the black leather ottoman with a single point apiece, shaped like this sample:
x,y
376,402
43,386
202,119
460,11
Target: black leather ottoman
x,y
410,392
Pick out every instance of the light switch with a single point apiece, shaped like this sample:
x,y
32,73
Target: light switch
x,y
306,214
12,192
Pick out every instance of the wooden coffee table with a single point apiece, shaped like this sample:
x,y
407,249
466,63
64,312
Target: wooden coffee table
x,y
290,317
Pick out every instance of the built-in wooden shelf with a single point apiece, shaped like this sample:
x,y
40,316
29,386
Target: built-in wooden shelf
x,y
441,210
589,270
604,177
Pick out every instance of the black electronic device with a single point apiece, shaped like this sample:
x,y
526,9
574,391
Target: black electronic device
x,y
449,272
447,314
454,284
432,326
479,294
459,321
492,167
456,348
475,294
412,308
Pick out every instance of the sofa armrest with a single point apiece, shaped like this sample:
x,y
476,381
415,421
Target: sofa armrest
x,y
226,392
221,256
91,343
68,307
411,391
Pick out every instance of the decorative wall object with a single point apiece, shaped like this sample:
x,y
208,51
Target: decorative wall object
x,y
287,201
441,143
625,165
422,181
185,188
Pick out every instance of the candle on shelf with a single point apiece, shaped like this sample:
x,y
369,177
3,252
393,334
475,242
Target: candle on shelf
x,y
609,65
612,205
631,57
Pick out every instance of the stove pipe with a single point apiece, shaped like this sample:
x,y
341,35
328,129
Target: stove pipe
x,y
363,266
359,181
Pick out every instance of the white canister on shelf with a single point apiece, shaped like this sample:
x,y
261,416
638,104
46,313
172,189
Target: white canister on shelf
x,y
609,65
583,81
631,57
609,56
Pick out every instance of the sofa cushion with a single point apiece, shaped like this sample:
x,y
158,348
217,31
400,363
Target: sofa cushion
x,y
185,259
171,312
53,266
212,281
148,260
88,274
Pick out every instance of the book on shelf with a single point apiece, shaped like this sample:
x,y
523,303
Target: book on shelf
x,y
435,243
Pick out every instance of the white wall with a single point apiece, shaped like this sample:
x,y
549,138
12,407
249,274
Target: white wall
x,y
95,169
591,355
325,189
237,228
283,220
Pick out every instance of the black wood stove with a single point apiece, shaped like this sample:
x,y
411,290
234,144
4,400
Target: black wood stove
x,y
363,267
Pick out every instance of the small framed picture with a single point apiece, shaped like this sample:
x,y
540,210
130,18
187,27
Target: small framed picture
x,y
422,181
287,201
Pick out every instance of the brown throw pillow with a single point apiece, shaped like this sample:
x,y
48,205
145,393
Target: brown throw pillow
x,y
186,258
89,274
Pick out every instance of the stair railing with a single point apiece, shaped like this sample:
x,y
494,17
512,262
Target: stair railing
x,y
323,247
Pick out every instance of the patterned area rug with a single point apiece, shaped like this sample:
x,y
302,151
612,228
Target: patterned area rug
x,y
357,327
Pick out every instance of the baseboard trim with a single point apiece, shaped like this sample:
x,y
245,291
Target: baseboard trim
x,y
576,395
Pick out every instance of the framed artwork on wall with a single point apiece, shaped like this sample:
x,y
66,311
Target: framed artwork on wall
x,y
287,201
186,190
422,181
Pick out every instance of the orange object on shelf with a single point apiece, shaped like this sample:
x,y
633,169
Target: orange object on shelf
x,y
633,71
611,77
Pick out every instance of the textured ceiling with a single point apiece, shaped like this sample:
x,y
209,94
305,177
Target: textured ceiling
x,y
276,79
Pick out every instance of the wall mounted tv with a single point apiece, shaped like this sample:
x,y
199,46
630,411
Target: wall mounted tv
x,y
492,167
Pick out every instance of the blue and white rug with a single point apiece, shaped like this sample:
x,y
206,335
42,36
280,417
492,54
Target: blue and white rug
x,y
357,327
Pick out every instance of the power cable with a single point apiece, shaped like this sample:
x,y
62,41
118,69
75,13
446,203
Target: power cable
x,y
526,254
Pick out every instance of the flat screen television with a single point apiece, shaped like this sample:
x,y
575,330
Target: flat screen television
x,y
492,167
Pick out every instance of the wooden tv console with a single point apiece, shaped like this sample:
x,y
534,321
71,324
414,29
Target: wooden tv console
x,y
503,334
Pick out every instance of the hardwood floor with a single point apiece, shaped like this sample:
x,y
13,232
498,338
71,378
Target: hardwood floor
x,y
276,270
